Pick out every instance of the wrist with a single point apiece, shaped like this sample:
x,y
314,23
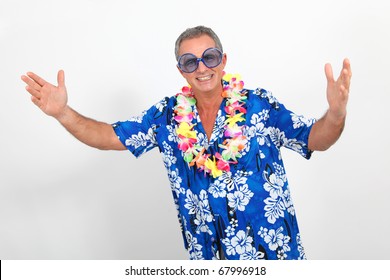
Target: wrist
x,y
64,115
336,117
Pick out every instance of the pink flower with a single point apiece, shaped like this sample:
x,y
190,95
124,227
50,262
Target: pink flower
x,y
186,91
236,106
233,132
184,118
222,164
186,143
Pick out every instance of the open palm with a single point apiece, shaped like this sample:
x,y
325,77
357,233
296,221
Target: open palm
x,y
51,99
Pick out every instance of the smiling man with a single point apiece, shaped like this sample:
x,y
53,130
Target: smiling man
x,y
220,144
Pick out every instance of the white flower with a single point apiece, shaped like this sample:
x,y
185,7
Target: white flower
x,y
196,255
295,145
299,121
175,180
201,208
281,255
168,157
252,255
262,232
288,202
205,210
258,129
229,231
218,189
219,127
192,202
241,197
274,186
172,133
239,244
137,140
238,200
194,248
245,190
274,239
277,137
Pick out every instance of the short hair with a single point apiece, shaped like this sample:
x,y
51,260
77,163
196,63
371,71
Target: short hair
x,y
195,32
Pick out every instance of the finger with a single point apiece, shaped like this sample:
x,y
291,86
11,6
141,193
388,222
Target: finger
x,y
347,66
346,73
34,92
329,73
30,83
345,78
61,78
36,78
344,93
36,101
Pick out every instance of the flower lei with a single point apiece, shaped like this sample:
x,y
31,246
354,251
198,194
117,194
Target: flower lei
x,y
193,153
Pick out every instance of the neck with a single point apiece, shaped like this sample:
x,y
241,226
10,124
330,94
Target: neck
x,y
208,101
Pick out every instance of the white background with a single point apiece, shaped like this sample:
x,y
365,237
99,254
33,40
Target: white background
x,y
60,199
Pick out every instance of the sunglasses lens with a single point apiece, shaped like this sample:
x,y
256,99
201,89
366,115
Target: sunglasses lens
x,y
212,58
188,63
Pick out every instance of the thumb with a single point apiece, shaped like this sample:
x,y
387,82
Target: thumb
x,y
329,73
61,78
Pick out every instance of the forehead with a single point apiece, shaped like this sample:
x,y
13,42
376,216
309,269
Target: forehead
x,y
196,45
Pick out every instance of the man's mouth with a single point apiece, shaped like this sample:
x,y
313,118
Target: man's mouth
x,y
204,78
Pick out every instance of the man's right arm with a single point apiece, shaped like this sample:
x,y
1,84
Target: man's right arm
x,y
94,133
52,100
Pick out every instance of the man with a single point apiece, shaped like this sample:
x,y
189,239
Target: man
x,y
221,146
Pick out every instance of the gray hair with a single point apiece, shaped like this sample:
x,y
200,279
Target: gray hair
x,y
195,32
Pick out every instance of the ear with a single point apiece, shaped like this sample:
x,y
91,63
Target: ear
x,y
224,60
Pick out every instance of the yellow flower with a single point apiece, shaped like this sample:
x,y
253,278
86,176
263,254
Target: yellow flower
x,y
185,130
212,166
228,77
232,120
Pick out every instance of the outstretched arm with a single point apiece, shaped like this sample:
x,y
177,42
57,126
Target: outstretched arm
x,y
52,100
327,130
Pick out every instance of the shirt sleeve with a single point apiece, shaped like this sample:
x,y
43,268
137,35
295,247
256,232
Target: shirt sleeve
x,y
288,129
138,134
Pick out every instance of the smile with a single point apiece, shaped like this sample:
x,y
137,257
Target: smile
x,y
205,78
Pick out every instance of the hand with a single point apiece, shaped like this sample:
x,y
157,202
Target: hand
x,y
51,99
338,91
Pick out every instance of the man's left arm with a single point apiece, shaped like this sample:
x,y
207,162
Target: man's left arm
x,y
327,130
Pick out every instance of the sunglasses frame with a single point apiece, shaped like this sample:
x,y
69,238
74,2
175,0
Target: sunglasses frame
x,y
198,59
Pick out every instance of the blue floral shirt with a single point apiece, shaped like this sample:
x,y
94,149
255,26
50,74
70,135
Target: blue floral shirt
x,y
246,213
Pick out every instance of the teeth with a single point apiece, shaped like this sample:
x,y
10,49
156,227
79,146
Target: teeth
x,y
204,78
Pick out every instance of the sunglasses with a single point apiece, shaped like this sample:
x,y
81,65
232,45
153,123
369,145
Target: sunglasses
x,y
211,58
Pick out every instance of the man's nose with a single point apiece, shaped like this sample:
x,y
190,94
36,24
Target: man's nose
x,y
201,66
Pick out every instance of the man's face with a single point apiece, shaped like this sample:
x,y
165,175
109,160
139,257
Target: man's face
x,y
203,79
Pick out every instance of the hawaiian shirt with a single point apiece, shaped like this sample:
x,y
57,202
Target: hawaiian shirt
x,y
246,213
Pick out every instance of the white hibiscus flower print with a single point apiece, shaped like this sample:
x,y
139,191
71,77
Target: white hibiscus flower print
x,y
175,180
239,199
168,157
199,206
138,140
218,189
299,121
252,255
239,244
276,239
274,186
